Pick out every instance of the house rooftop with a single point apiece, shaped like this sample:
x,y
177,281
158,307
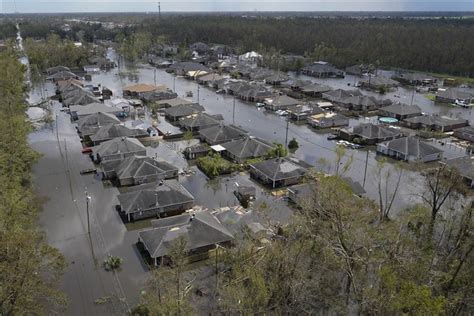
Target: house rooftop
x,y
222,133
199,229
91,123
119,145
154,195
464,165
402,109
436,120
140,166
114,130
370,131
248,147
183,110
280,168
412,146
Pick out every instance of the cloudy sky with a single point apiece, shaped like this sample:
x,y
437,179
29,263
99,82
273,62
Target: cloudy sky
x,y
40,6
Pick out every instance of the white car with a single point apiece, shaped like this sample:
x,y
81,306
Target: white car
x,y
282,113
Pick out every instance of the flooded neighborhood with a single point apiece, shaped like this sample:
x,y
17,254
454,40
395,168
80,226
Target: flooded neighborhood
x,y
206,152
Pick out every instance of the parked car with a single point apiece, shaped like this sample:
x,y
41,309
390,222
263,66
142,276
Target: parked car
x,y
332,137
86,150
259,104
282,113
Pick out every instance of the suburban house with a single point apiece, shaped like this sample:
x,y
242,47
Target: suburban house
x,y
251,58
136,170
246,148
465,133
400,111
454,96
118,148
243,223
278,172
53,70
369,134
63,75
90,124
360,70
168,103
163,199
199,47
221,133
302,112
296,84
465,167
362,103
302,195
157,95
196,151
80,111
435,123
276,79
410,149
177,112
377,83
78,97
322,70
195,123
111,131
135,90
416,79
315,90
339,94
182,68
253,93
201,230
280,102
328,120
209,79
245,194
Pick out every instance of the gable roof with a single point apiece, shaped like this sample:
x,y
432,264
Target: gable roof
x,y
279,169
340,94
464,165
371,131
402,109
436,120
200,120
199,229
248,147
150,196
119,145
115,130
454,94
412,146
90,124
139,166
183,110
281,100
93,108
221,133
142,87
173,102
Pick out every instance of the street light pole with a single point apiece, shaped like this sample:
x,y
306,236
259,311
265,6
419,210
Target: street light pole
x,y
233,112
286,137
88,199
174,84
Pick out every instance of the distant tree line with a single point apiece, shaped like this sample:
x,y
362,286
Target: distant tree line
x,y
441,45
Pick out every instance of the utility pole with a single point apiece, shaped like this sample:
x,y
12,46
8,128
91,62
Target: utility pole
x,y
286,137
159,10
154,76
413,95
233,112
198,94
174,84
365,170
88,199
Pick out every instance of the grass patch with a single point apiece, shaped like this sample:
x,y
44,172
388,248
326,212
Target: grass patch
x,y
214,165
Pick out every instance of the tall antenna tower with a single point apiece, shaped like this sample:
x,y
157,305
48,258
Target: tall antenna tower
x,y
159,10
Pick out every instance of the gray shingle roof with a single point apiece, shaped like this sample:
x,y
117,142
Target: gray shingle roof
x,y
279,169
200,229
221,133
183,110
90,124
371,131
402,109
150,196
465,166
200,120
249,147
435,120
92,108
113,131
412,146
119,145
454,94
140,166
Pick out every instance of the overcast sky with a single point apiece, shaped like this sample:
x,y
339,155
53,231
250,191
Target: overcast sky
x,y
39,6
